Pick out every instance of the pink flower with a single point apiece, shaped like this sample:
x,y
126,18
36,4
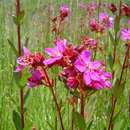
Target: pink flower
x,y
25,60
125,34
56,53
112,7
125,10
93,74
128,21
72,82
95,26
89,42
29,59
35,79
64,11
92,6
105,20
82,5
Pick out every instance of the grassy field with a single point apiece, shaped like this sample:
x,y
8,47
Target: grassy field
x,y
40,111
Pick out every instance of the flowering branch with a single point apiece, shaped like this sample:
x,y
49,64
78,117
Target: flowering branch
x,y
19,52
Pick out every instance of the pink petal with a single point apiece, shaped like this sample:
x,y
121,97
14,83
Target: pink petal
x,y
87,78
50,51
95,64
94,76
97,85
51,60
79,65
61,44
85,56
26,51
19,68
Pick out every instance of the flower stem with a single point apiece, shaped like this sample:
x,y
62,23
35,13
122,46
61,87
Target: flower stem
x,y
51,86
58,108
82,105
19,52
114,100
72,121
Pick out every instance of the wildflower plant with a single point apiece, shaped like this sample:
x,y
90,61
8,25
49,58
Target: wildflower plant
x,y
81,70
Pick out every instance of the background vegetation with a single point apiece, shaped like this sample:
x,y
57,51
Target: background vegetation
x,y
40,108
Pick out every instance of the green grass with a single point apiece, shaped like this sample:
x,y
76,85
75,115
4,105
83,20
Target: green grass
x,y
40,108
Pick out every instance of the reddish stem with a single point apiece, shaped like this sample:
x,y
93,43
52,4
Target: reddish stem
x,y
82,103
19,52
54,97
111,125
72,122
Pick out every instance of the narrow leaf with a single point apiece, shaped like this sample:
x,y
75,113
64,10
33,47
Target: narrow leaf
x,y
13,47
112,38
23,80
118,90
16,120
78,120
90,124
26,96
117,24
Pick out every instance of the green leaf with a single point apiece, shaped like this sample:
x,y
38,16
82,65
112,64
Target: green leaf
x,y
16,120
110,60
116,116
26,96
13,47
16,76
90,124
49,124
23,80
118,89
75,93
78,120
117,24
19,19
112,38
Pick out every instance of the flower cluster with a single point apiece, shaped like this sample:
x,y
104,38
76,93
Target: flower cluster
x,y
35,63
112,7
76,63
58,21
88,43
125,34
125,10
90,8
64,11
78,66
105,22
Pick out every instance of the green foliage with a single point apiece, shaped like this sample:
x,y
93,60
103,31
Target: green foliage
x,y
21,81
13,47
19,19
37,27
117,24
16,120
78,120
26,96
118,88
89,125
